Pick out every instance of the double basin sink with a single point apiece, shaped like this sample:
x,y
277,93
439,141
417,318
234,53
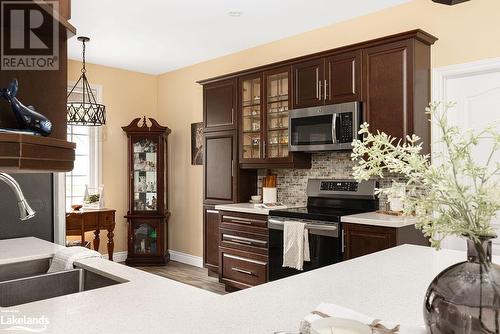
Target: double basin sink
x,y
25,282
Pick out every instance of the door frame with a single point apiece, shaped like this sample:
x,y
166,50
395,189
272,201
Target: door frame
x,y
440,77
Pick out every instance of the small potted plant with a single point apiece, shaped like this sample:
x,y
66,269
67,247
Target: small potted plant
x,y
458,196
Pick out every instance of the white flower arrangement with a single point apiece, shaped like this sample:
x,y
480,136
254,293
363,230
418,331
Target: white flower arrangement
x,y
459,196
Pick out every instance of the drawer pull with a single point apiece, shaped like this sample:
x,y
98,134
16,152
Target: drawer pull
x,y
242,240
244,259
212,211
243,271
243,220
238,220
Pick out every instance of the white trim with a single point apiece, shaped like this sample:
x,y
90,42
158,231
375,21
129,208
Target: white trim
x,y
59,209
192,260
440,77
117,256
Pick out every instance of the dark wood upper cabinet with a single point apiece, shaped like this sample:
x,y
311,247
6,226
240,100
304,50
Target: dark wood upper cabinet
x,y
308,80
343,77
219,179
388,86
219,106
396,84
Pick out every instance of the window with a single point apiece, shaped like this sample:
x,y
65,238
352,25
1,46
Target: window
x,y
87,170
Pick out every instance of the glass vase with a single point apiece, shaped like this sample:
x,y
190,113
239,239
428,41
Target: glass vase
x,y
465,298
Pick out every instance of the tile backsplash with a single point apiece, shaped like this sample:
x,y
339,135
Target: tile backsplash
x,y
292,183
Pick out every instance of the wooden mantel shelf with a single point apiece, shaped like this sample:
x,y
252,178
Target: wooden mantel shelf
x,y
24,153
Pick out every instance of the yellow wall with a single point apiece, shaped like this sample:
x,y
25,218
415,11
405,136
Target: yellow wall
x,y
466,32
127,95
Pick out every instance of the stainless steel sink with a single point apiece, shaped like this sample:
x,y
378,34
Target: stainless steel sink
x,y
24,269
30,282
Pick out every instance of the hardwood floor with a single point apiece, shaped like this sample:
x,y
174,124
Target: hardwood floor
x,y
187,274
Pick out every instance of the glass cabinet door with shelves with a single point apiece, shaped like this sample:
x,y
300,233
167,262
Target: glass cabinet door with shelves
x,y
251,118
145,239
277,105
145,174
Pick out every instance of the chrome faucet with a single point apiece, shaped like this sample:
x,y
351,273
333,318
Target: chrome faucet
x,y
25,211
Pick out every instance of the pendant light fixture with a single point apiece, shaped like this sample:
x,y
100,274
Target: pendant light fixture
x,y
85,111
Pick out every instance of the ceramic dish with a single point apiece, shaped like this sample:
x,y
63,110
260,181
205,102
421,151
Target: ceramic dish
x,y
339,326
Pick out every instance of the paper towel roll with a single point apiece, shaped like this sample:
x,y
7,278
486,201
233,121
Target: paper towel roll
x,y
269,195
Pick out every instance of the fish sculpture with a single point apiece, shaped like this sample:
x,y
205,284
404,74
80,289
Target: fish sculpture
x,y
27,118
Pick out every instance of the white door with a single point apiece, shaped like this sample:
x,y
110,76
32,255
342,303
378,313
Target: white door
x,y
475,87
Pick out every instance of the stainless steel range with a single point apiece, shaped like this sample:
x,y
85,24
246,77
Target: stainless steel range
x,y
327,201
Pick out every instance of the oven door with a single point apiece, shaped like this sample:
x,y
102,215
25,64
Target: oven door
x,y
325,247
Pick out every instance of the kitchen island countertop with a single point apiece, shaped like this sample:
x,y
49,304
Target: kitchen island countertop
x,y
388,285
379,219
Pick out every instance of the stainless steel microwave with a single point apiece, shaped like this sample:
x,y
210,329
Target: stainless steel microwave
x,y
325,128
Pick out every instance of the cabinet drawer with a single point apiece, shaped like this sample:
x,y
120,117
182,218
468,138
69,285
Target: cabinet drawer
x,y
242,270
245,241
244,222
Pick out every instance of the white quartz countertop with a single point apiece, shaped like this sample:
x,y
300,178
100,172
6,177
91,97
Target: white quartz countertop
x,y
388,285
248,208
25,249
379,219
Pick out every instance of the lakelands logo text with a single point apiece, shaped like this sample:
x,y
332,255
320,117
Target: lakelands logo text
x,y
30,36
13,322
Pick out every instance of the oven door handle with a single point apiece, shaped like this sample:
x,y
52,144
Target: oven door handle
x,y
308,226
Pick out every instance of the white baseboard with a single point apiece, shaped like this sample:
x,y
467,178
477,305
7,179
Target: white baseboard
x,y
192,260
117,256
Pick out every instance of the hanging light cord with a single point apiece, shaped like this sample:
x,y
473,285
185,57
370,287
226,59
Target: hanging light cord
x,y
86,89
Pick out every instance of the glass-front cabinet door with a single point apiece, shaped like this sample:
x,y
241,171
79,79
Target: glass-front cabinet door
x,y
277,105
144,174
251,118
145,238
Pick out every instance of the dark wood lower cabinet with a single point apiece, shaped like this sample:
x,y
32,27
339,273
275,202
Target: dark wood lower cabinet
x,y
243,250
366,239
211,238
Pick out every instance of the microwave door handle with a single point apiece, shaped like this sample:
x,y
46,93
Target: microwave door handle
x,y
334,128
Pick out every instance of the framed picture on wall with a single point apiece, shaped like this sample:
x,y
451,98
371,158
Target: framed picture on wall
x,y
197,143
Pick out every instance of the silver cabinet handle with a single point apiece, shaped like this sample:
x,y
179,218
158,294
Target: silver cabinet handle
x,y
264,149
242,220
243,271
243,240
237,220
212,211
343,241
319,89
240,241
325,88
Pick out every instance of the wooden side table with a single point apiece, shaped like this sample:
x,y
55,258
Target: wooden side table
x,y
79,222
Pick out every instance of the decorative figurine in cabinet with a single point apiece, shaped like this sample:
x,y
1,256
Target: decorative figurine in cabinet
x,y
147,193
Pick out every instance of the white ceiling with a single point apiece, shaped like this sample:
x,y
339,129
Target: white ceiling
x,y
157,36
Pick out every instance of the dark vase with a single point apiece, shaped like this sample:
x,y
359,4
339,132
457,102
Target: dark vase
x,y
465,298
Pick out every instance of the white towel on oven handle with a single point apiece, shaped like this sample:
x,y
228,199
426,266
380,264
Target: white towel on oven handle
x,y
295,244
